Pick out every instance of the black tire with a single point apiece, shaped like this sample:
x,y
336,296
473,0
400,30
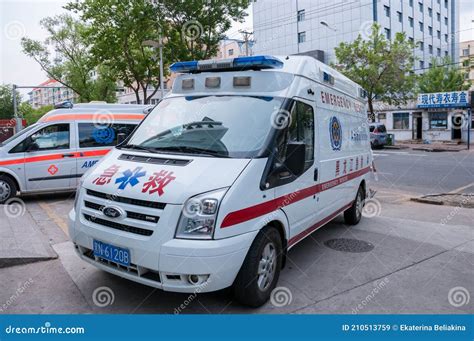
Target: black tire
x,y
246,286
353,215
375,144
8,188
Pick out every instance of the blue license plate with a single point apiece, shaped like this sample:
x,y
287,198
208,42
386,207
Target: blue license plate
x,y
112,253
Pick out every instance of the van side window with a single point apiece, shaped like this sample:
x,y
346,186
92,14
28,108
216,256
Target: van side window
x,y
95,135
49,138
302,129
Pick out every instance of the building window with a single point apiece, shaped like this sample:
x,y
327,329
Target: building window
x,y
411,40
446,21
430,12
465,52
401,120
438,52
301,37
438,32
387,10
466,64
231,52
438,120
446,38
445,3
301,15
400,16
422,64
438,16
430,49
420,5
446,53
430,66
421,27
422,46
430,30
387,34
411,3
410,20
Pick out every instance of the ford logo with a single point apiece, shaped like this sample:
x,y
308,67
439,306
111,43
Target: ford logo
x,y
113,212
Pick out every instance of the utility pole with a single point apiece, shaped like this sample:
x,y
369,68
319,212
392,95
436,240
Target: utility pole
x,y
18,121
246,34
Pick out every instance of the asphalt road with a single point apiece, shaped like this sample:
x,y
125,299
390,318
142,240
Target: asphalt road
x,y
424,173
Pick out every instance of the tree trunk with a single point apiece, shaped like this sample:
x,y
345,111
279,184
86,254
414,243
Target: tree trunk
x,y
371,109
137,94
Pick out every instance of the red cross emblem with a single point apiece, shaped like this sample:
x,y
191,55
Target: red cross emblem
x,y
52,169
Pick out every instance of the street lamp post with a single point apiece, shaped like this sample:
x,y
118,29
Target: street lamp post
x,y
158,45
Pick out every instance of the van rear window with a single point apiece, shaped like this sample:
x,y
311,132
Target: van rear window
x,y
97,135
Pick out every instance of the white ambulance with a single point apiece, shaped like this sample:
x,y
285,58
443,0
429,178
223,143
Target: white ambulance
x,y
241,161
52,154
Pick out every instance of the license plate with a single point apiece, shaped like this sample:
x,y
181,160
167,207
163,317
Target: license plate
x,y
113,253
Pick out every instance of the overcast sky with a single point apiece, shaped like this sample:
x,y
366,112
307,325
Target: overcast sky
x,y
21,18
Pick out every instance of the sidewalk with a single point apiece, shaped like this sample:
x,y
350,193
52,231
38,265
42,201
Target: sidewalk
x,y
432,147
21,239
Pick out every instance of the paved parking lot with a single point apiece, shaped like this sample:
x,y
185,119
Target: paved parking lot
x,y
404,257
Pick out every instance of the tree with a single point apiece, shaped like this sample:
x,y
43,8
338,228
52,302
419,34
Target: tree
x,y
442,76
382,67
6,102
33,115
117,30
72,64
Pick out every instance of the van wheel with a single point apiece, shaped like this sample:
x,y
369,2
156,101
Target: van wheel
x,y
8,188
353,215
259,274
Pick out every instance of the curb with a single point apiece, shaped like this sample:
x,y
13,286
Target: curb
x,y
9,262
427,201
436,150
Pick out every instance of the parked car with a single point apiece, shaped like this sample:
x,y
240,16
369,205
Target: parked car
x,y
239,163
378,135
52,154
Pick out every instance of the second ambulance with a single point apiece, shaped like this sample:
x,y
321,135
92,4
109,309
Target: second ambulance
x,y
240,162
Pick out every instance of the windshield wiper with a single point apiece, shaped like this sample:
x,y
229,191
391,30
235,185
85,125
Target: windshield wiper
x,y
192,150
138,147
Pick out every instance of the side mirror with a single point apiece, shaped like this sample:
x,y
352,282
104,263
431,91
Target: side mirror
x,y
295,157
121,137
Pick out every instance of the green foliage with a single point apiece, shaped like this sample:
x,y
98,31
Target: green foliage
x,y
117,30
33,115
6,102
442,76
71,64
382,67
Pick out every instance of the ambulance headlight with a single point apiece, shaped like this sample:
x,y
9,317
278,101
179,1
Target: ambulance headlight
x,y
198,218
78,190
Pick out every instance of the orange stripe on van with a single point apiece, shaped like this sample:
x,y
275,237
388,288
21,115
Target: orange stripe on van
x,y
96,117
50,157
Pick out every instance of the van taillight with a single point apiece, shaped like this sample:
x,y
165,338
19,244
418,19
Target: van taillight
x,y
376,131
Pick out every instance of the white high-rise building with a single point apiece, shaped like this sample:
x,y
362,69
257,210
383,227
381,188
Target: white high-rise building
x,y
316,27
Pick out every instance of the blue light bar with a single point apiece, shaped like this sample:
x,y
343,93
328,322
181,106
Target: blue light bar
x,y
262,62
184,67
236,64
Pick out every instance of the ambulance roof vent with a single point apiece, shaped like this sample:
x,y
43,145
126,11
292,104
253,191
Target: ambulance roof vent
x,y
232,64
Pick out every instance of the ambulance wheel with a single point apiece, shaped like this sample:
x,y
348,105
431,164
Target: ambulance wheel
x,y
8,188
259,274
353,215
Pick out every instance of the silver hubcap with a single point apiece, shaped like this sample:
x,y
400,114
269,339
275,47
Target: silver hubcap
x,y
359,205
5,190
267,266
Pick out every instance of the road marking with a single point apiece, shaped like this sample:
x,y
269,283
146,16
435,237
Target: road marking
x,y
460,189
54,217
387,153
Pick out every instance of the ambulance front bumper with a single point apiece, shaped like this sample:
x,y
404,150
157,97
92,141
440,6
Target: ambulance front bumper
x,y
179,265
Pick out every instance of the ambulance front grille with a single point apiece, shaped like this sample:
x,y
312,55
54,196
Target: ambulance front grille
x,y
130,201
118,226
132,215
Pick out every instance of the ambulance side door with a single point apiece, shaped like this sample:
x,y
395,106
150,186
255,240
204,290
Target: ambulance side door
x,y
50,158
301,197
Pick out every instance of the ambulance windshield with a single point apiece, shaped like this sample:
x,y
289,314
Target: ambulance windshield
x,y
222,126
